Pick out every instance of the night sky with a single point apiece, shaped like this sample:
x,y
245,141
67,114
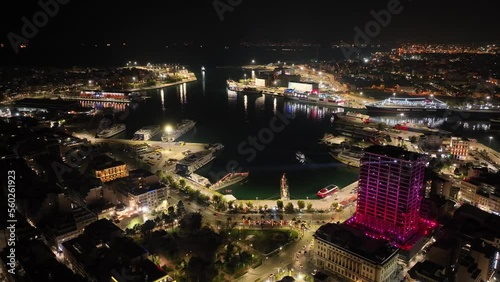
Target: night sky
x,y
151,23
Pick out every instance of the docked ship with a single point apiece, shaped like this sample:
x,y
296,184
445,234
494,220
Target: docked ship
x,y
111,131
327,191
313,97
354,117
416,128
216,148
349,157
147,132
179,130
476,112
300,157
250,91
410,106
193,162
230,179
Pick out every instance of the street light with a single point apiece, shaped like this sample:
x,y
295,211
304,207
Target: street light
x,y
489,144
394,94
253,61
168,129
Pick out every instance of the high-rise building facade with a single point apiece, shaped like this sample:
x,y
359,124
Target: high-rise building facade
x,y
391,184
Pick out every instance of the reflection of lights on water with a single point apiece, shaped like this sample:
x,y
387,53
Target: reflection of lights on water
x,y
275,103
162,96
245,103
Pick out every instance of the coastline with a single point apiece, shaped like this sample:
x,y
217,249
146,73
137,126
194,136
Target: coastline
x,y
163,85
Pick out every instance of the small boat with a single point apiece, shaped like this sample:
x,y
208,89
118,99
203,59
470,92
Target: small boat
x,y
327,191
300,157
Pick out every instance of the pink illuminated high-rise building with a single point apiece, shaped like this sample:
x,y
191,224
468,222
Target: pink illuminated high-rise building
x,y
391,182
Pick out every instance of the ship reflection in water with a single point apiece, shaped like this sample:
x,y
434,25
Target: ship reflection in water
x,y
313,112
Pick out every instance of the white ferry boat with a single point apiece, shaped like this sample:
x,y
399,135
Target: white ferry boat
x,y
147,133
180,129
111,131
193,162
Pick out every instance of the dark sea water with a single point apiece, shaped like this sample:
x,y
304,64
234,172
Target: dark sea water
x,y
232,119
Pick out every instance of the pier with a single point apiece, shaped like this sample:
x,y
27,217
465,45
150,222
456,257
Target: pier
x,y
125,101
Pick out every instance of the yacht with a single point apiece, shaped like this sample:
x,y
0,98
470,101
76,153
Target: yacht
x,y
111,131
147,132
180,129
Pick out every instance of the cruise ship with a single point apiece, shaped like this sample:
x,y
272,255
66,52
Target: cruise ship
x,y
327,191
179,130
313,97
147,132
111,131
194,161
410,106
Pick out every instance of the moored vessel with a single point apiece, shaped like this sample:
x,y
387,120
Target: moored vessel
x,y
328,191
354,117
250,91
111,131
172,134
147,133
230,179
410,106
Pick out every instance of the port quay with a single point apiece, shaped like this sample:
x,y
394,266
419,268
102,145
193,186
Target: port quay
x,y
174,150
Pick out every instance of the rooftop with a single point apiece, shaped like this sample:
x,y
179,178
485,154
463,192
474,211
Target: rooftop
x,y
393,152
147,188
137,173
103,161
356,242
427,270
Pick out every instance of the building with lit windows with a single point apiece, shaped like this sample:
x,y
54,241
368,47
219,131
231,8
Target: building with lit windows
x,y
107,169
345,251
142,198
391,185
480,194
459,148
